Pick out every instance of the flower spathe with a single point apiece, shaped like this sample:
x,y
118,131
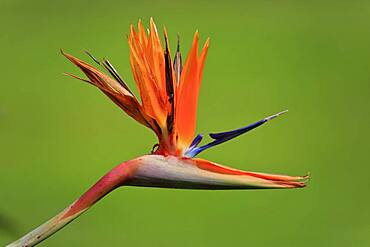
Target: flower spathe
x,y
168,104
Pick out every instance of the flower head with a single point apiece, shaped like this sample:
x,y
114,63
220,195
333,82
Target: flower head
x,y
168,91
169,94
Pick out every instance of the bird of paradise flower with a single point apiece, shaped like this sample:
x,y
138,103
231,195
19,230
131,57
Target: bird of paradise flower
x,y
169,93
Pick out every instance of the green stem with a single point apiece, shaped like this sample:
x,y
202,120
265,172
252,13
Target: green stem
x,y
106,184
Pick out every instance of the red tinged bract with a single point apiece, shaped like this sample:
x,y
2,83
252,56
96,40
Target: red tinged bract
x,y
168,105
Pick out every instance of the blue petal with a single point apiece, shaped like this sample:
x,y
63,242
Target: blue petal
x,y
222,137
196,141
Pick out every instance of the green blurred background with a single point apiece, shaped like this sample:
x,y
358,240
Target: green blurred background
x,y
58,135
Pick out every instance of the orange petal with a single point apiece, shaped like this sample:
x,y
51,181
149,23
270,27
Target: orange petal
x,y
155,54
147,62
202,58
187,96
142,34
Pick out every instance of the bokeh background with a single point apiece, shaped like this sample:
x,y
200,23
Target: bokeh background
x,y
59,135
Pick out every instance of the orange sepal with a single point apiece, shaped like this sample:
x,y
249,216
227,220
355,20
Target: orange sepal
x,y
113,89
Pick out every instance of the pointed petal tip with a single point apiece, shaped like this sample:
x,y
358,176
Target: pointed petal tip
x,y
92,57
69,56
178,43
153,27
196,36
76,77
165,35
276,115
132,30
206,44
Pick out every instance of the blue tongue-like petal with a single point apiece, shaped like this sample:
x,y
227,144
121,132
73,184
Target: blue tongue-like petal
x,y
225,136
196,141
